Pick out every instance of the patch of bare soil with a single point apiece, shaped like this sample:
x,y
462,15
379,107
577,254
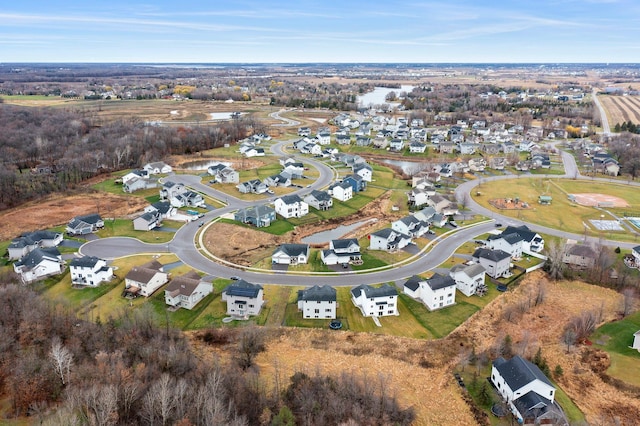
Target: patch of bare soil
x,y
58,209
245,246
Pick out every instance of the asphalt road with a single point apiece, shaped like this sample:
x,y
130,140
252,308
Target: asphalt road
x,y
606,130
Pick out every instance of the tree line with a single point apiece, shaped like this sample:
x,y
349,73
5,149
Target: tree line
x,y
45,149
61,370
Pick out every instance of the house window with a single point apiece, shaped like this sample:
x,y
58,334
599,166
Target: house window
x,y
390,312
441,298
251,306
327,310
316,311
449,295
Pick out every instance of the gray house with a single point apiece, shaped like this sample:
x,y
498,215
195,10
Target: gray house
x,y
243,298
258,216
86,224
320,200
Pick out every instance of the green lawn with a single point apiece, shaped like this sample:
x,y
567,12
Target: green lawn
x,y
124,228
443,321
561,214
616,338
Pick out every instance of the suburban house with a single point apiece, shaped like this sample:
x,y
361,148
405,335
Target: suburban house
x,y
468,278
436,292
364,170
495,262
290,254
318,302
356,181
417,197
163,208
319,200
254,152
86,224
281,179
342,191
388,240
147,221
411,226
528,392
416,147
243,298
442,205
295,170
89,271
38,264
375,301
145,279
223,173
254,186
636,340
511,243
185,291
289,206
580,256
258,216
343,251
396,144
157,168
30,241
179,196
532,242
137,180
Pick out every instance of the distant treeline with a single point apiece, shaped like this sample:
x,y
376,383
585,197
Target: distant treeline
x,y
46,150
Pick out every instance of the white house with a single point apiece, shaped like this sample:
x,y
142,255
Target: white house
x,y
185,291
290,254
528,392
290,206
85,224
388,240
342,191
468,277
636,340
375,301
416,147
436,292
532,242
411,226
157,168
511,243
147,221
243,298
320,200
89,271
364,170
223,173
417,197
495,262
343,251
318,302
145,279
38,264
163,208
30,241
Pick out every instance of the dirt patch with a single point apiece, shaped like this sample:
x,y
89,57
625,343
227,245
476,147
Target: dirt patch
x,y
58,209
598,200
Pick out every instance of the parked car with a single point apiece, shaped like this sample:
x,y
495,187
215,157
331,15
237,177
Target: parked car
x,y
234,278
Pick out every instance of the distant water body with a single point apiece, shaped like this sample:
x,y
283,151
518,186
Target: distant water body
x,y
379,94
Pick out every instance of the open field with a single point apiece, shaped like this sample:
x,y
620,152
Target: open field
x,y
620,109
562,213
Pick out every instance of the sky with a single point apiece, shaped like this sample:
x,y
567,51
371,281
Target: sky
x,y
221,31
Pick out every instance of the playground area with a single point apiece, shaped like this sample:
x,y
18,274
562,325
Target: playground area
x,y
509,204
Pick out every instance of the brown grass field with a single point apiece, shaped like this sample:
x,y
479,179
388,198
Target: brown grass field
x,y
621,109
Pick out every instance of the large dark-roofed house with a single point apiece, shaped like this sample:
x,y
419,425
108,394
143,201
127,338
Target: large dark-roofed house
x,y
243,298
318,302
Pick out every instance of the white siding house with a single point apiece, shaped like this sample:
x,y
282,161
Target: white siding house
x,y
38,264
243,298
89,271
636,340
291,254
375,301
186,291
468,277
388,240
436,292
144,280
290,206
318,302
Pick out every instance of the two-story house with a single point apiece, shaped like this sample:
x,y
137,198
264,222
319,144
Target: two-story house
x,y
511,243
186,291
318,302
436,292
289,206
319,200
89,271
258,216
145,279
342,251
375,301
388,240
495,262
468,278
243,298
342,191
39,264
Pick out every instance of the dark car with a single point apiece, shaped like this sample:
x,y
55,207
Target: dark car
x,y
234,278
498,225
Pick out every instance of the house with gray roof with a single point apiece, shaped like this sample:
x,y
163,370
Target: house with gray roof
x,y
342,191
290,254
243,298
511,243
163,208
289,206
85,224
579,256
528,392
531,240
388,240
495,262
147,221
29,241
410,225
253,186
342,251
436,292
186,291
468,278
318,302
258,216
39,264
375,301
89,271
319,200
145,279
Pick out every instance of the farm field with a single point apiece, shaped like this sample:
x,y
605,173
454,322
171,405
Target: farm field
x,y
620,109
561,213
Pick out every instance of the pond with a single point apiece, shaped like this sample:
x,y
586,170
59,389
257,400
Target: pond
x,y
377,97
333,234
408,167
201,164
223,115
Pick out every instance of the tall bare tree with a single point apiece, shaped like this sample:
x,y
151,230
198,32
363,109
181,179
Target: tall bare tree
x,y
62,360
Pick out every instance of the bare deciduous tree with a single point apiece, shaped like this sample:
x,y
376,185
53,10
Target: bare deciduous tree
x,y
628,301
62,359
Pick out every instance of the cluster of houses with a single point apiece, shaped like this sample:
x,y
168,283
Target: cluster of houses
x,y
179,195
340,252
36,255
291,169
249,147
145,177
